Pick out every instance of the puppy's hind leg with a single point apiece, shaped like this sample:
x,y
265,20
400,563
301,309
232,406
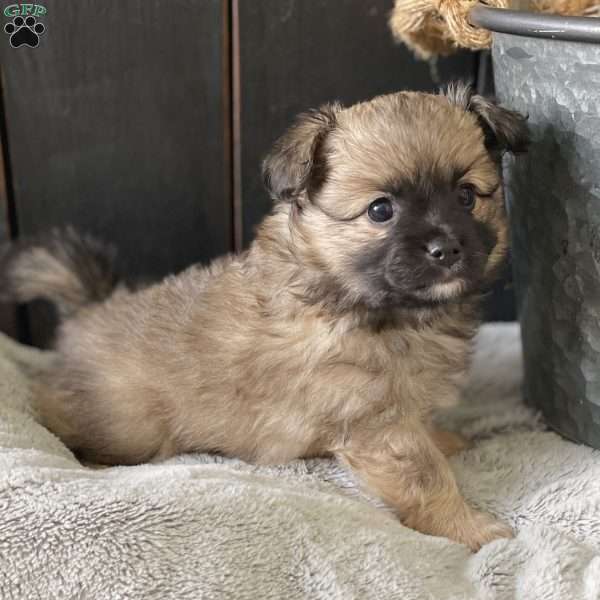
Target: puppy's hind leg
x,y
409,472
101,430
54,409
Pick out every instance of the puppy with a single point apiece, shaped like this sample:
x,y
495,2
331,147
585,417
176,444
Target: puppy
x,y
343,327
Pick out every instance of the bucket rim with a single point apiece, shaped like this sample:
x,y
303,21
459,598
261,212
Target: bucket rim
x,y
536,25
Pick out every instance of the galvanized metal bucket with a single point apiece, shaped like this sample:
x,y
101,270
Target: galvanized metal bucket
x,y
549,67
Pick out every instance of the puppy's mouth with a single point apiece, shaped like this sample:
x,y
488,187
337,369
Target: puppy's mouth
x,y
445,289
449,289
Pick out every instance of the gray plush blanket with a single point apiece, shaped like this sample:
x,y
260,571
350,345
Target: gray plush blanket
x,y
205,527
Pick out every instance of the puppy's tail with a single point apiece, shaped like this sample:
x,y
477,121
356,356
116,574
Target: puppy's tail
x,y
68,269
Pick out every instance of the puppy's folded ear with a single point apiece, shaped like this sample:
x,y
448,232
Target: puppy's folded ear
x,y
504,129
296,161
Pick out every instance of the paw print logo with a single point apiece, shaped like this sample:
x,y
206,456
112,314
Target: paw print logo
x,y
24,32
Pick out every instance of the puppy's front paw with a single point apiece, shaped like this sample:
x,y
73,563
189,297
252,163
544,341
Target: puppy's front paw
x,y
479,528
463,525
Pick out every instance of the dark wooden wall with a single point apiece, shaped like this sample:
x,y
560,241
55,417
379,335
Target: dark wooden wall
x,y
8,313
145,121
118,122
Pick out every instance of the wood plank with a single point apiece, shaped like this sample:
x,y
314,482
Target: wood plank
x,y
8,312
118,124
297,54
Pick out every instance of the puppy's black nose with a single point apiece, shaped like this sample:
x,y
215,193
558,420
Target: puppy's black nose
x,y
444,251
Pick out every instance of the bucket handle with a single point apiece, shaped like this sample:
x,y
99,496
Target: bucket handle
x,y
532,24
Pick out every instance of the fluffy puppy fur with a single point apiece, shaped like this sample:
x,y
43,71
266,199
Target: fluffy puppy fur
x,y
347,322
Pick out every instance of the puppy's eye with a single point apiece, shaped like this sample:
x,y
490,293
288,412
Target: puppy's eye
x,y
466,197
381,210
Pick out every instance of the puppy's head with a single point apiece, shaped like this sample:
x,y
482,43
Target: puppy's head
x,y
397,201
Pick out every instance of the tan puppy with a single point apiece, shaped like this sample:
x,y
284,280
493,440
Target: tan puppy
x,y
346,323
